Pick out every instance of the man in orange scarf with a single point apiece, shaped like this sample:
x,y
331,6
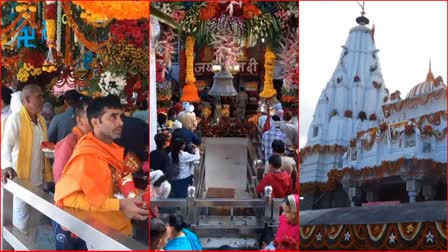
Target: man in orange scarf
x,y
25,130
90,178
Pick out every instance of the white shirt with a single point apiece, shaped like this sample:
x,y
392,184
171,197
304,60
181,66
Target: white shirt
x,y
6,111
11,144
185,163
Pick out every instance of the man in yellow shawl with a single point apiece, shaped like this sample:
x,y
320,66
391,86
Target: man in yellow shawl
x,y
21,155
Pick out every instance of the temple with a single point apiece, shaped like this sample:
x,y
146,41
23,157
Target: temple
x,y
367,145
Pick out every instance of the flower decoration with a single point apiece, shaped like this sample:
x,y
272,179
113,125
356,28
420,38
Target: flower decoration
x,y
50,19
166,47
372,117
116,9
133,31
376,84
250,11
428,130
112,84
190,92
209,11
27,71
189,50
383,126
179,15
289,58
269,61
226,25
362,116
125,59
348,113
356,79
409,129
226,50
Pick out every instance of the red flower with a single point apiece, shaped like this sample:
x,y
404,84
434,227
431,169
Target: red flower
x,y
250,11
348,113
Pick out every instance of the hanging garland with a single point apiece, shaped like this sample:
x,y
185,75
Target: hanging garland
x,y
116,9
268,89
92,46
190,92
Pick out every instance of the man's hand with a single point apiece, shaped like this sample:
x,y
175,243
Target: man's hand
x,y
8,173
132,208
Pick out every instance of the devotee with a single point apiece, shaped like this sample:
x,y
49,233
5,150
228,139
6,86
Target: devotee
x,y
6,107
278,179
161,123
242,99
62,124
184,161
142,112
160,186
269,136
64,148
288,163
134,137
188,118
172,116
47,112
288,228
181,238
90,178
159,233
159,158
290,129
25,130
6,101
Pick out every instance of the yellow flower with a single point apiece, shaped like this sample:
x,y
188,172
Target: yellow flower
x,y
268,90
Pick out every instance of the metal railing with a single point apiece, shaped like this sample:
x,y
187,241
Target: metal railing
x,y
255,165
79,222
267,211
199,174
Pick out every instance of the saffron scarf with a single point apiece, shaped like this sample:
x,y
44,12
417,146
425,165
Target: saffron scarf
x,y
77,132
26,143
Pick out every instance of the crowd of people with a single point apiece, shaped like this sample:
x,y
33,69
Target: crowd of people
x,y
92,140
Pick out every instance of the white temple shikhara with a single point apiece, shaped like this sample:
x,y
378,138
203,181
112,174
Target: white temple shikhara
x,y
366,144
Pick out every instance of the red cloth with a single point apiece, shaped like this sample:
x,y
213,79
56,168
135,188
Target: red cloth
x,y
267,124
280,182
178,107
63,151
287,232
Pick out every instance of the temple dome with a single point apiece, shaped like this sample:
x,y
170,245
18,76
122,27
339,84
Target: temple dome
x,y
430,85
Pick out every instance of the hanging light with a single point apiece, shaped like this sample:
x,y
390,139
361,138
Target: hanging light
x,y
223,85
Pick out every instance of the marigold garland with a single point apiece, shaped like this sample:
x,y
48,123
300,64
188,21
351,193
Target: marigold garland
x,y
116,9
92,46
189,50
268,90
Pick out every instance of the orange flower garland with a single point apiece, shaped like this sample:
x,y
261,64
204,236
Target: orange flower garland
x,y
189,50
190,92
116,9
268,89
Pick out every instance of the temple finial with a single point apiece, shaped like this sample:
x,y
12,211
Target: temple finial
x,y
429,76
362,20
362,8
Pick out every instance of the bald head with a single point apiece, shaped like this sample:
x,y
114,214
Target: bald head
x,y
32,99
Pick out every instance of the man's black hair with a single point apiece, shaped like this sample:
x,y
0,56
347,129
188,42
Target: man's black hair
x,y
6,95
160,140
275,118
275,161
79,106
278,146
72,97
98,105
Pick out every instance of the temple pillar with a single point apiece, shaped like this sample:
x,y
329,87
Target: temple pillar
x,y
413,187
